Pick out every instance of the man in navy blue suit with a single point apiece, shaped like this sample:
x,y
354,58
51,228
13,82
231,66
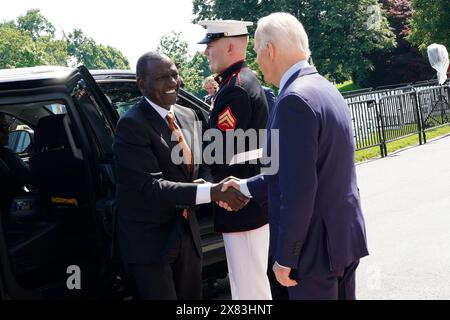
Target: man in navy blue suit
x,y
317,231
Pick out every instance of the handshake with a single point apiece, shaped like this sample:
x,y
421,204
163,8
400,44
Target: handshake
x,y
227,194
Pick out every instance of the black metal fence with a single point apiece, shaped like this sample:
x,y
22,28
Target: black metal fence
x,y
382,116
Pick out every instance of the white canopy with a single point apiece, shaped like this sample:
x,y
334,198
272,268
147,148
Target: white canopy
x,y
438,57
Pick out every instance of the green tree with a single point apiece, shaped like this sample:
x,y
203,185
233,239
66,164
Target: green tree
x,y
198,71
340,36
404,63
17,48
193,70
31,41
171,45
86,51
430,23
51,51
36,24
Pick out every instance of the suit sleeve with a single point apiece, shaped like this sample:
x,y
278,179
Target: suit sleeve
x,y
138,169
298,149
257,186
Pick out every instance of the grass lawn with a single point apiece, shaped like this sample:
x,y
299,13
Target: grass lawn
x,y
400,144
347,86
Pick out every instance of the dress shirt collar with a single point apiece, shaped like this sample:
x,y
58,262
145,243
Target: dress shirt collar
x,y
161,111
293,69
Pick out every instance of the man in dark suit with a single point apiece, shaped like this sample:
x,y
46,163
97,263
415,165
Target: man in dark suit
x,y
316,225
157,230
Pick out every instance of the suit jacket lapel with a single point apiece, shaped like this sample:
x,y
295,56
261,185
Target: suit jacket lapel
x,y
160,125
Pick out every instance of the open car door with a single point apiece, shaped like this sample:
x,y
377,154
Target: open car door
x,y
55,237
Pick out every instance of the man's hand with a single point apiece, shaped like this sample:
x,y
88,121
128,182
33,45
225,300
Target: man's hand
x,y
228,179
232,197
282,275
227,183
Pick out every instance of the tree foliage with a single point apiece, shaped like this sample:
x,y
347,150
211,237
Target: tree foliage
x,y
35,24
94,56
171,45
342,33
17,49
430,23
404,63
193,70
30,41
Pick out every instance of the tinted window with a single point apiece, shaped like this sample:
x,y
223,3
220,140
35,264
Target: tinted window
x,y
122,94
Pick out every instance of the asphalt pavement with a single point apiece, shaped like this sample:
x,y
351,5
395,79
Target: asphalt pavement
x,y
406,203
405,199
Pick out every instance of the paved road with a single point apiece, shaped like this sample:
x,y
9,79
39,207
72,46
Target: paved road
x,y
406,203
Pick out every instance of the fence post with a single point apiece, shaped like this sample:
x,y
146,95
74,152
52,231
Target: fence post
x,y
381,129
419,117
447,89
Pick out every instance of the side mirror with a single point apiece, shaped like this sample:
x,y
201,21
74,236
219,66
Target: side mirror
x,y
19,140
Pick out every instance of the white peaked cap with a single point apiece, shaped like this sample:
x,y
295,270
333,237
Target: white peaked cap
x,y
216,29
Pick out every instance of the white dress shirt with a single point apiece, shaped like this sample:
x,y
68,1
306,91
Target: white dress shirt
x,y
293,69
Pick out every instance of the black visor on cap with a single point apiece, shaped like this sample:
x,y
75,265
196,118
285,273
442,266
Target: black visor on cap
x,y
214,36
211,37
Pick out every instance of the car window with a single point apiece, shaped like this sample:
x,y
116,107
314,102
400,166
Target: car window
x,y
96,121
56,108
122,94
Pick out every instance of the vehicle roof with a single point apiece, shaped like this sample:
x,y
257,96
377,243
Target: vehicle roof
x,y
55,72
112,73
34,73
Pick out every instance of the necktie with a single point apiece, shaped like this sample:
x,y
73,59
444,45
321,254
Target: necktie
x,y
187,153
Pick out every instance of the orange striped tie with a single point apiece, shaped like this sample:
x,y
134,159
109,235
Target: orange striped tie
x,y
187,153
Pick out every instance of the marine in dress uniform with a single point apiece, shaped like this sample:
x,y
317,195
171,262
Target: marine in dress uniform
x,y
240,103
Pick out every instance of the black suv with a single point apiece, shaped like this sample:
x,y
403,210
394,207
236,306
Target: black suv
x,y
46,240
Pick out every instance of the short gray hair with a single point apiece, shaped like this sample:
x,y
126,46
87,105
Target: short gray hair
x,y
283,29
